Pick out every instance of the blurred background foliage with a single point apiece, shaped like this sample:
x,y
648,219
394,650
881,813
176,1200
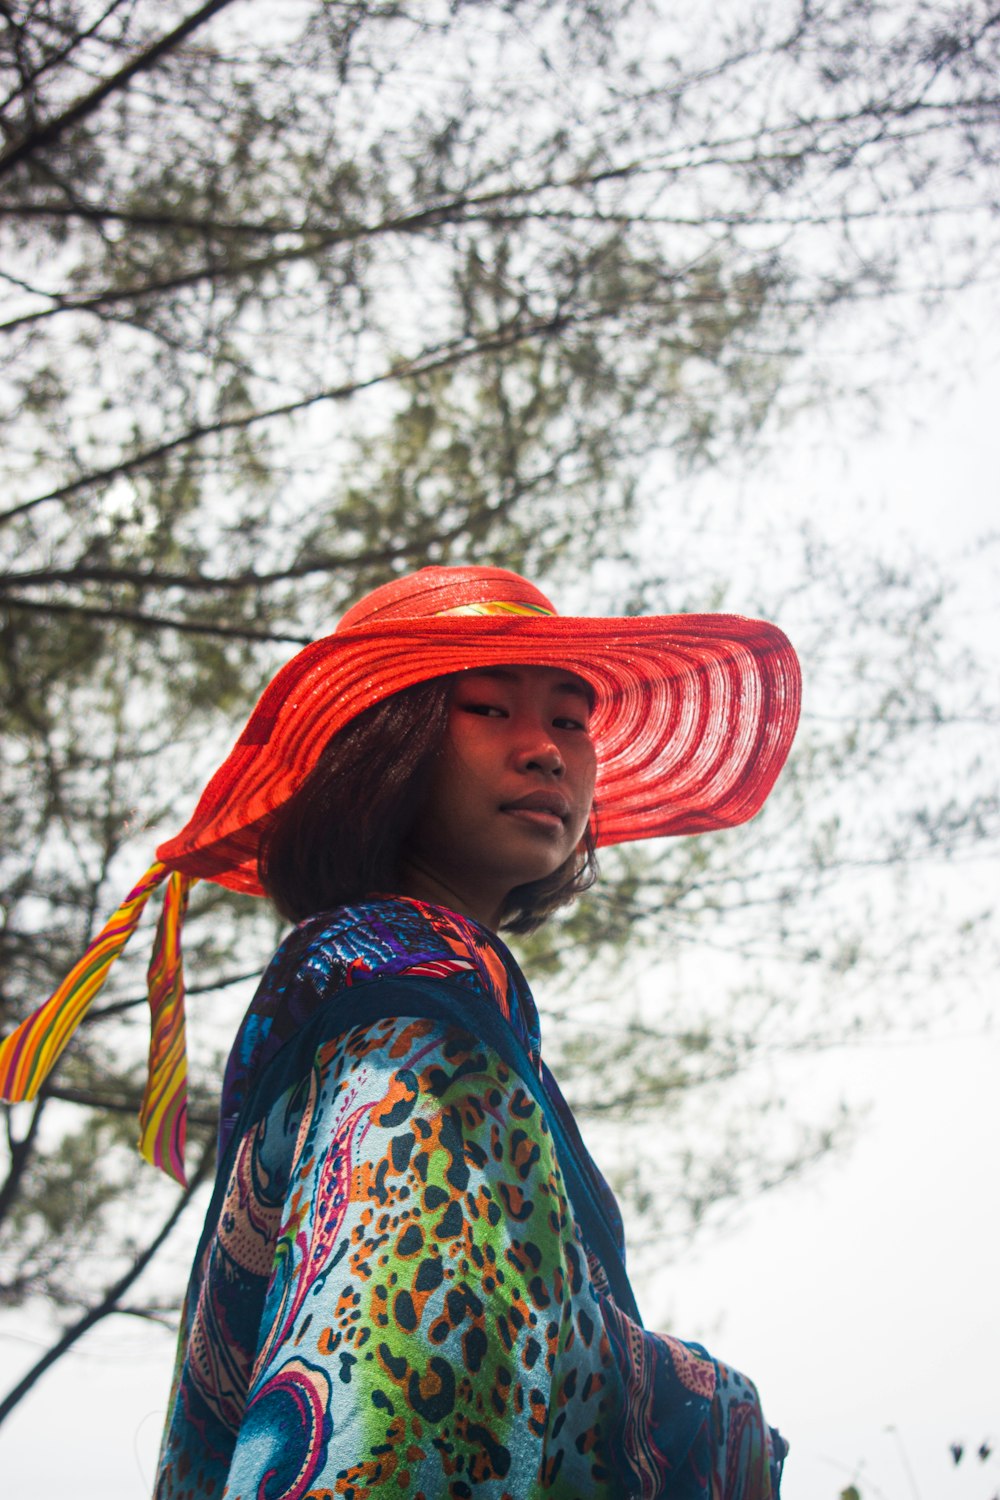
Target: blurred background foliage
x,y
298,298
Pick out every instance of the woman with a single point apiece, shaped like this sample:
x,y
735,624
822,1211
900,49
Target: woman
x,y
411,1278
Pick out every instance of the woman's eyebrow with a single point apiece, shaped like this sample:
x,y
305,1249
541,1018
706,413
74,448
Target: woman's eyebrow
x,y
577,690
574,687
500,674
577,687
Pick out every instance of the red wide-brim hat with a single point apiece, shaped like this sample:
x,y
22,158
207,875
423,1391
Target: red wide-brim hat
x,y
693,719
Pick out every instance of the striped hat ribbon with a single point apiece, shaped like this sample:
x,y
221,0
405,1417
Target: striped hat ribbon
x,y
29,1054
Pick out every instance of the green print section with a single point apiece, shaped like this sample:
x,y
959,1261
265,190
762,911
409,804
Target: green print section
x,y
411,1280
461,1320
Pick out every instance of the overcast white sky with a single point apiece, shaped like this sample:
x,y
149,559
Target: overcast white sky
x,y
865,1300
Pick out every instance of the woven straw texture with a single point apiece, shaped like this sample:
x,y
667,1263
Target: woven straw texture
x,y
694,716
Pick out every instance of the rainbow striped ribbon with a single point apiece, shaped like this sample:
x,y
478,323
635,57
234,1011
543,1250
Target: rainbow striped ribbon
x,y
494,607
29,1054
163,1117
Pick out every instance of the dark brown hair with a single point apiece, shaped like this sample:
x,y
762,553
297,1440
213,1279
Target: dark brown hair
x,y
338,838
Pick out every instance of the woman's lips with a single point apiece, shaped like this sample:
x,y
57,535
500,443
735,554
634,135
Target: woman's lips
x,y
537,816
548,810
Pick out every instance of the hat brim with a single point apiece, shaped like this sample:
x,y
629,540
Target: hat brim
x,y
693,720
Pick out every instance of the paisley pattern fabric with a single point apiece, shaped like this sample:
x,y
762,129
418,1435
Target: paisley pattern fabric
x,y
393,1295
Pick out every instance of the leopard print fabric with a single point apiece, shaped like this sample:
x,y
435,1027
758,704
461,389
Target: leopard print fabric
x,y
414,1315
394,1298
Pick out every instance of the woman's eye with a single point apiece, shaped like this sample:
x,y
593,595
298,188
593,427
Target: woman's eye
x,y
566,723
488,710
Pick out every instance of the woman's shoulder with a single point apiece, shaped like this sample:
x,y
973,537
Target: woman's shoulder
x,y
331,953
386,936
380,933
315,962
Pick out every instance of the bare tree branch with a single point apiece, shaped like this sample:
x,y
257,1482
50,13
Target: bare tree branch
x,y
145,621
121,1105
119,1007
20,1149
100,213
61,54
44,134
108,1303
505,337
323,562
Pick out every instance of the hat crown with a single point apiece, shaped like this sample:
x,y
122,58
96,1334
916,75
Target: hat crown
x,y
447,591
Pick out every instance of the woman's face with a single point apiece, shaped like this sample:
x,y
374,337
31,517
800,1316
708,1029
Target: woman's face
x,y
510,792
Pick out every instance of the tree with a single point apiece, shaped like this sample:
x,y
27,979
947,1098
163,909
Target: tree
x,y
298,301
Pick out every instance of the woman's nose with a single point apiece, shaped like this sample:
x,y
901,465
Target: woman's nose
x,y
541,753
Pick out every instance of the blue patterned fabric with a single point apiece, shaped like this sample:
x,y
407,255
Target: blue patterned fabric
x,y
394,1293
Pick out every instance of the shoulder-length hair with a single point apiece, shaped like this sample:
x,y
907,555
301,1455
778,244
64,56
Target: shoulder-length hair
x,y
338,839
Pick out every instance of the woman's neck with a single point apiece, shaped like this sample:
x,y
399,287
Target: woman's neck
x,y
419,881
